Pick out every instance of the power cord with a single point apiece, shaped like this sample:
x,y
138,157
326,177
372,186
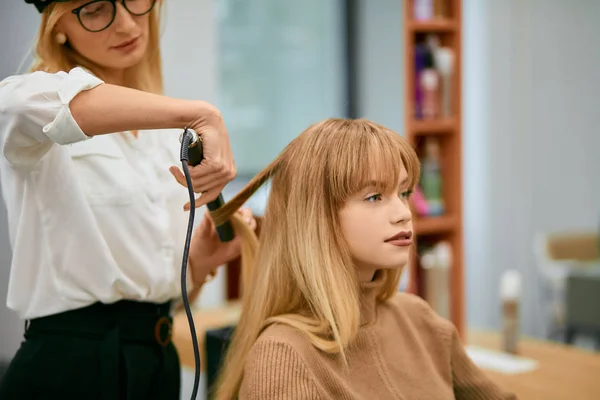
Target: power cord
x,y
186,139
192,154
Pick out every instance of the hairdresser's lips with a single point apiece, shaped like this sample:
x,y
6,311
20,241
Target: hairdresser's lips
x,y
401,239
128,45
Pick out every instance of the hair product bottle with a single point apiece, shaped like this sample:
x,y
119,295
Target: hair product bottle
x,y
510,293
444,60
431,177
436,263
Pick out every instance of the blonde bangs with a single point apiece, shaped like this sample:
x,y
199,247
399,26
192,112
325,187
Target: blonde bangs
x,y
368,153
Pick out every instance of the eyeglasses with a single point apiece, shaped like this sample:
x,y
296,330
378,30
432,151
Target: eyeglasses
x,y
98,15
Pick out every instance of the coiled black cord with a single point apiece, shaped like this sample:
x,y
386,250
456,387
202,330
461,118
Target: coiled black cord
x,y
184,156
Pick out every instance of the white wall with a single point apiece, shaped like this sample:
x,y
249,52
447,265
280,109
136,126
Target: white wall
x,y
476,168
531,140
381,62
189,49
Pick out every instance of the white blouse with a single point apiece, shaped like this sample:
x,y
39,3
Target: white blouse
x,y
90,219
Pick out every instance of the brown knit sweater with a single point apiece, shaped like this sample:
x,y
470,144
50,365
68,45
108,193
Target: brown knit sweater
x,y
403,351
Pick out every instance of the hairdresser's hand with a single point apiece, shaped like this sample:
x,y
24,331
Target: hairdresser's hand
x,y
207,252
218,167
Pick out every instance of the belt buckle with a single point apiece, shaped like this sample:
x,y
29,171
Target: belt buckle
x,y
157,331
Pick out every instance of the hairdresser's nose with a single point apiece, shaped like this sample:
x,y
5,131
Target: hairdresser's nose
x,y
400,210
124,21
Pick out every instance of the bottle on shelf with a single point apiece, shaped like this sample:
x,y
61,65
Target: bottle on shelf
x,y
420,203
430,89
427,10
436,263
431,177
423,10
444,61
434,68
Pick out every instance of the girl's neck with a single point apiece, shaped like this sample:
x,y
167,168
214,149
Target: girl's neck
x,y
368,297
366,274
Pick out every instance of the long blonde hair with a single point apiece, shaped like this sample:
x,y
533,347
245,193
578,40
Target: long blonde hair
x,y
301,273
52,57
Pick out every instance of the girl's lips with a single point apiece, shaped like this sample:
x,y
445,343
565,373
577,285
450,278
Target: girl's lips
x,y
402,238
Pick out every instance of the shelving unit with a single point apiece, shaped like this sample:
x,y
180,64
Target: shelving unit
x,y
447,130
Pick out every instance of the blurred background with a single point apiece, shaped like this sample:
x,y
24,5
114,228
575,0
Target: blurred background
x,y
500,97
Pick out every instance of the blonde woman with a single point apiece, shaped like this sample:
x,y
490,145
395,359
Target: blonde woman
x,y
322,317
97,222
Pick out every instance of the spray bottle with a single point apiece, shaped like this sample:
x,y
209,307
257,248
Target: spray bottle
x,y
510,293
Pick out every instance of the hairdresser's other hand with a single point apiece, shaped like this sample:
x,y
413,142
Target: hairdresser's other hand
x,y
218,167
207,252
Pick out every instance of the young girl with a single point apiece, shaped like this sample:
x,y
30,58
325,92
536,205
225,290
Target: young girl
x,y
322,316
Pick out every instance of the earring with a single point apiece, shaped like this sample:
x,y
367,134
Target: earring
x,y
61,38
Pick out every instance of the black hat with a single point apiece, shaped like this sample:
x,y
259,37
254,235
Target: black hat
x,y
42,4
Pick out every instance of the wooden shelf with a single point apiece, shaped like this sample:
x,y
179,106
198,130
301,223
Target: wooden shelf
x,y
447,227
439,25
433,127
435,225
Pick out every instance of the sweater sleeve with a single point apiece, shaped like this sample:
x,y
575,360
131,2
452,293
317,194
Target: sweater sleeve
x,y
470,383
274,371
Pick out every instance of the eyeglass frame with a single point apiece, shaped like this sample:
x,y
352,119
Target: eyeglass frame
x,y
77,12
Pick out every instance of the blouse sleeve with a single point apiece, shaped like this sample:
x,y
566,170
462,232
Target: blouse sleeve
x,y
35,114
470,383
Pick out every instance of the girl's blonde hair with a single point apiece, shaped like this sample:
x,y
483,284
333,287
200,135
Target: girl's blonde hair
x,y
301,274
52,57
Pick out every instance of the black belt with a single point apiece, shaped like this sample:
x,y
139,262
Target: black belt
x,y
112,324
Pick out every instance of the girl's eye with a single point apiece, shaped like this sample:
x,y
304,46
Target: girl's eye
x,y
406,195
374,198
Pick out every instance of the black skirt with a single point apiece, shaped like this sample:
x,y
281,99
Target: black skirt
x,y
116,351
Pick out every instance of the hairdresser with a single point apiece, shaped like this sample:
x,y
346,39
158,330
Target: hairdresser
x,y
95,199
